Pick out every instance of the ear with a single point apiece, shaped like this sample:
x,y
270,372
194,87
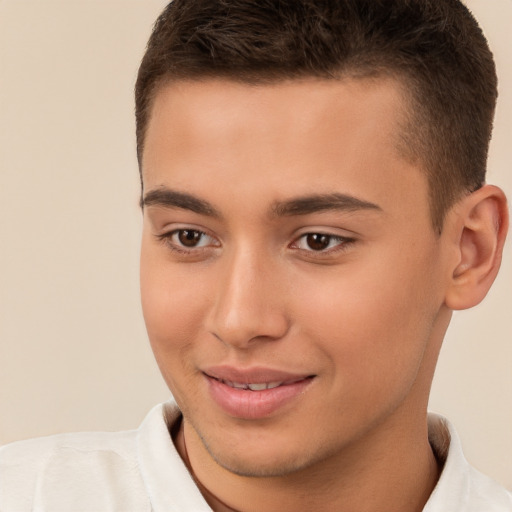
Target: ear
x,y
480,224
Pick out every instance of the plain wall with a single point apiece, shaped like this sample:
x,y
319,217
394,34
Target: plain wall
x,y
73,349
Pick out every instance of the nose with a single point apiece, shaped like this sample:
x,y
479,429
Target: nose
x,y
250,301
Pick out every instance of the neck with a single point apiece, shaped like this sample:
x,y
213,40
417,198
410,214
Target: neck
x,y
367,477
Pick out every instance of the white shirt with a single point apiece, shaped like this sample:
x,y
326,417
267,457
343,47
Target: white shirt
x,y
141,471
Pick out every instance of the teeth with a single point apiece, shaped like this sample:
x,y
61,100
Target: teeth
x,y
257,387
253,387
237,385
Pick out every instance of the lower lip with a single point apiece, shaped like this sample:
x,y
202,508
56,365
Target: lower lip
x,y
252,405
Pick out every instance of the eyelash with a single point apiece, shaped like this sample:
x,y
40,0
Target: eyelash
x,y
341,243
167,239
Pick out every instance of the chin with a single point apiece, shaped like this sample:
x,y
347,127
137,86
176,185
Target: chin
x,y
261,459
243,466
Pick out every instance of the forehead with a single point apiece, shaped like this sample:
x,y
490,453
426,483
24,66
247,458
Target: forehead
x,y
206,106
282,138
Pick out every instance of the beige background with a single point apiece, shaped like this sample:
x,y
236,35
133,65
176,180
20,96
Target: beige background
x,y
73,349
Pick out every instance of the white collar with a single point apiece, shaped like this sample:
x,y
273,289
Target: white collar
x,y
461,487
170,486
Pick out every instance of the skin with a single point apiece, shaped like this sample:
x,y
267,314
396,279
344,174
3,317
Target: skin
x,y
365,316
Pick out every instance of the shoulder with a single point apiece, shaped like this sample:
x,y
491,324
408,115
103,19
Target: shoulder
x,y
101,472
460,486
57,471
35,453
488,494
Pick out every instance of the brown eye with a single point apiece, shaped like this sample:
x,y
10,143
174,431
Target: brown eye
x,y
322,243
318,241
188,241
189,237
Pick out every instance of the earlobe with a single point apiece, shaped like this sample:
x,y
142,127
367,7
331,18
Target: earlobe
x,y
482,224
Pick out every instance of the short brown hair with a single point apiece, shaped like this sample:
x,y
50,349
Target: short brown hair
x,y
435,47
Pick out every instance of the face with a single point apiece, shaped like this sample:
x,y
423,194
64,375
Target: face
x,y
291,279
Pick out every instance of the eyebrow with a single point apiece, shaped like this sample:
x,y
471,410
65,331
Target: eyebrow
x,y
168,198
304,205
321,202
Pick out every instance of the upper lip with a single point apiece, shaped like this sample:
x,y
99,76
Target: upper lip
x,y
254,375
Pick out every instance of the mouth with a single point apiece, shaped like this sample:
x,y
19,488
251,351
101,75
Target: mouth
x,y
259,386
256,393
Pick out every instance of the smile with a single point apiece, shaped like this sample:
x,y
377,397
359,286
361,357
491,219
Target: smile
x,y
252,387
252,395
258,386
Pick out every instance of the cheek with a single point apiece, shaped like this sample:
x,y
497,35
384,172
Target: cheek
x,y
372,323
173,309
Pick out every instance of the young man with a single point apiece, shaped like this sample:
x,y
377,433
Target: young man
x,y
315,207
